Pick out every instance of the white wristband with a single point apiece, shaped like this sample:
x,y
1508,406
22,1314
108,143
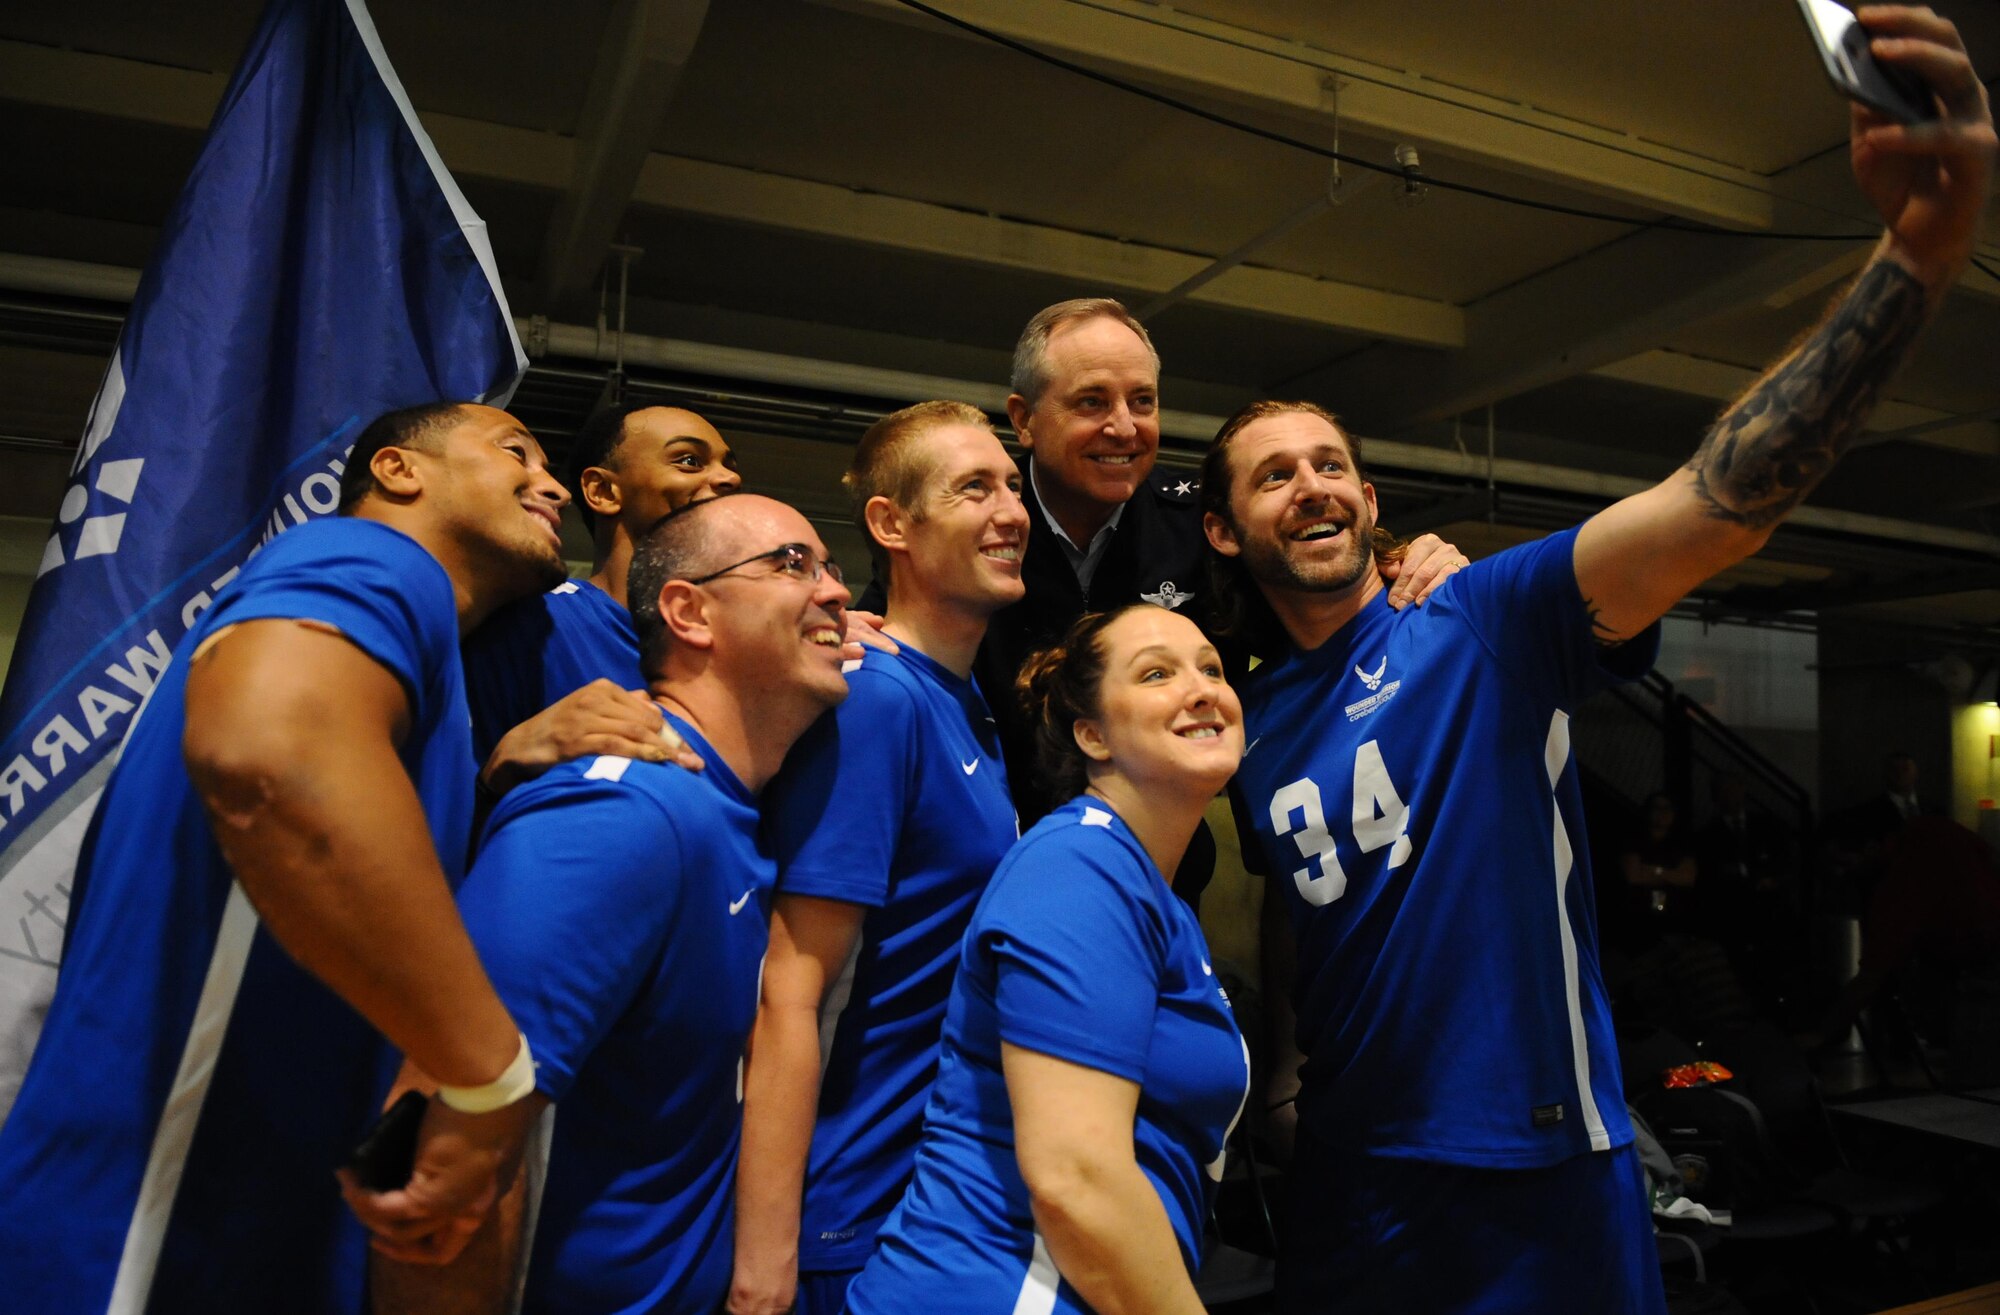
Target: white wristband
x,y
510,1086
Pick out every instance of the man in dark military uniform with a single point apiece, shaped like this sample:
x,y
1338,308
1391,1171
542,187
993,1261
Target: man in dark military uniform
x,y
1107,529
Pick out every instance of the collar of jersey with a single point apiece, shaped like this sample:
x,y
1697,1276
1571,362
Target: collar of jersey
x,y
714,768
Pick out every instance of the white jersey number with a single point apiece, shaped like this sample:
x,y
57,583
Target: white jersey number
x,y
1380,818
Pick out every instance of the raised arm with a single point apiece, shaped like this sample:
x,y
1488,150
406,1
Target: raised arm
x,y
1775,443
811,940
291,741
1102,1218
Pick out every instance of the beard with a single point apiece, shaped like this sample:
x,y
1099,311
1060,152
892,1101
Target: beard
x,y
537,568
1273,564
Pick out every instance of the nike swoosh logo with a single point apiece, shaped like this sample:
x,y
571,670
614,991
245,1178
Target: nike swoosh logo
x,y
1253,744
970,767
1206,971
736,906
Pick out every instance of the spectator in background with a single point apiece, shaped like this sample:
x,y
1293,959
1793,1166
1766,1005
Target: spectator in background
x,y
1939,902
1659,867
1746,898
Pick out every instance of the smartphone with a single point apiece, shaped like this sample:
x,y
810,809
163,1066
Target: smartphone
x,y
382,1160
1843,48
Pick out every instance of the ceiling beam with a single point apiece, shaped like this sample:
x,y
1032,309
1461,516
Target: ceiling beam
x,y
646,45
1608,304
474,148
1177,51
872,219
1720,381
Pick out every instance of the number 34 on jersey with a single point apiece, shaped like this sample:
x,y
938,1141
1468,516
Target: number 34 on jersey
x,y
1380,817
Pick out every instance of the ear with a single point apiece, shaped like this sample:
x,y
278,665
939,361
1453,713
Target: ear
x,y
396,472
597,489
888,524
1018,412
1368,492
685,610
1090,738
1223,539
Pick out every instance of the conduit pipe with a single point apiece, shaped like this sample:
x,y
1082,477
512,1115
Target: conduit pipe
x,y
47,276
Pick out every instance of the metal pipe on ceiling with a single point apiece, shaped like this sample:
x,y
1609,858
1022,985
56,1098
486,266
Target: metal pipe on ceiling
x,y
41,274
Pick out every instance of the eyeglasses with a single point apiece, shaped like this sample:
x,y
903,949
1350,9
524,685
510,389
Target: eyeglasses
x,y
792,559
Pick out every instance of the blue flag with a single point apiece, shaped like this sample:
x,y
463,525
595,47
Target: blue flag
x,y
319,268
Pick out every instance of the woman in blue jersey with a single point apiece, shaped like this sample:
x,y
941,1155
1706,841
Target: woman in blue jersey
x,y
1091,1070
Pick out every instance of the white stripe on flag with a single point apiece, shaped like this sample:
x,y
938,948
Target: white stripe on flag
x,y
175,1132
469,222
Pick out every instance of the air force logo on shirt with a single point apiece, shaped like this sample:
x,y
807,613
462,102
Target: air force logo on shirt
x,y
1168,596
1378,693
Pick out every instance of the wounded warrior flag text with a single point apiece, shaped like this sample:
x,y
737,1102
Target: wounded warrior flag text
x,y
319,268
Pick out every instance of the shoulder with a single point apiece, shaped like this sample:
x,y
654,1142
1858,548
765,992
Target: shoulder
x,y
644,795
340,550
879,685
1172,500
1081,837
379,587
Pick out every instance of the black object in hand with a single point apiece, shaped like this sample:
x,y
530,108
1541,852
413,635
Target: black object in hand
x,y
387,1152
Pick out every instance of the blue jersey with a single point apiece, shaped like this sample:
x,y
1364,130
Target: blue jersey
x,y
221,1198
1079,950
896,800
621,908
532,653
1416,799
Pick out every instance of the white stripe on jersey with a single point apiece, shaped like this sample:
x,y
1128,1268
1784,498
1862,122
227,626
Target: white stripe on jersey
x,y
1038,1289
1221,1159
1555,756
153,1210
835,1004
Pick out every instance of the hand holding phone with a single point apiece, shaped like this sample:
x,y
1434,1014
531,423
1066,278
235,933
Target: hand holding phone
x,y
387,1152
1856,73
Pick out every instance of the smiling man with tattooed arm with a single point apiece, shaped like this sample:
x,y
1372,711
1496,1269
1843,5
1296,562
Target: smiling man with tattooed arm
x,y
1461,1137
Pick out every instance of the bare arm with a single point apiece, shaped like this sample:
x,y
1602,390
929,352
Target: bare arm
x,y
1774,445
810,942
1102,1218
291,741
481,1280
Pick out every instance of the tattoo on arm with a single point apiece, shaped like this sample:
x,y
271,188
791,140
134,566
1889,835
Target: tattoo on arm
x,y
1600,629
1780,438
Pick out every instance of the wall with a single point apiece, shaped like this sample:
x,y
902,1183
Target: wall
x,y
1876,698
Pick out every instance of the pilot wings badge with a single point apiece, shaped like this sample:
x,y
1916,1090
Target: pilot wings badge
x,y
1373,681
1170,597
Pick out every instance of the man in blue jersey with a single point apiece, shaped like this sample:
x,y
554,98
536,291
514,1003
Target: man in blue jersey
x,y
266,892
621,909
887,822
1461,1136
556,676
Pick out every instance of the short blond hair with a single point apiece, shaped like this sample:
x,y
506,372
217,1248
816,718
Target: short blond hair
x,y
889,464
1031,354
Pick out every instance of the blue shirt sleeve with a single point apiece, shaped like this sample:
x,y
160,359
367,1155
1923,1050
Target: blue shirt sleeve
x,y
570,904
835,813
377,586
1077,952
1525,607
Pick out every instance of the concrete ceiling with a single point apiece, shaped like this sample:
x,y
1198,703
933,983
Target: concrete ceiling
x,y
834,195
